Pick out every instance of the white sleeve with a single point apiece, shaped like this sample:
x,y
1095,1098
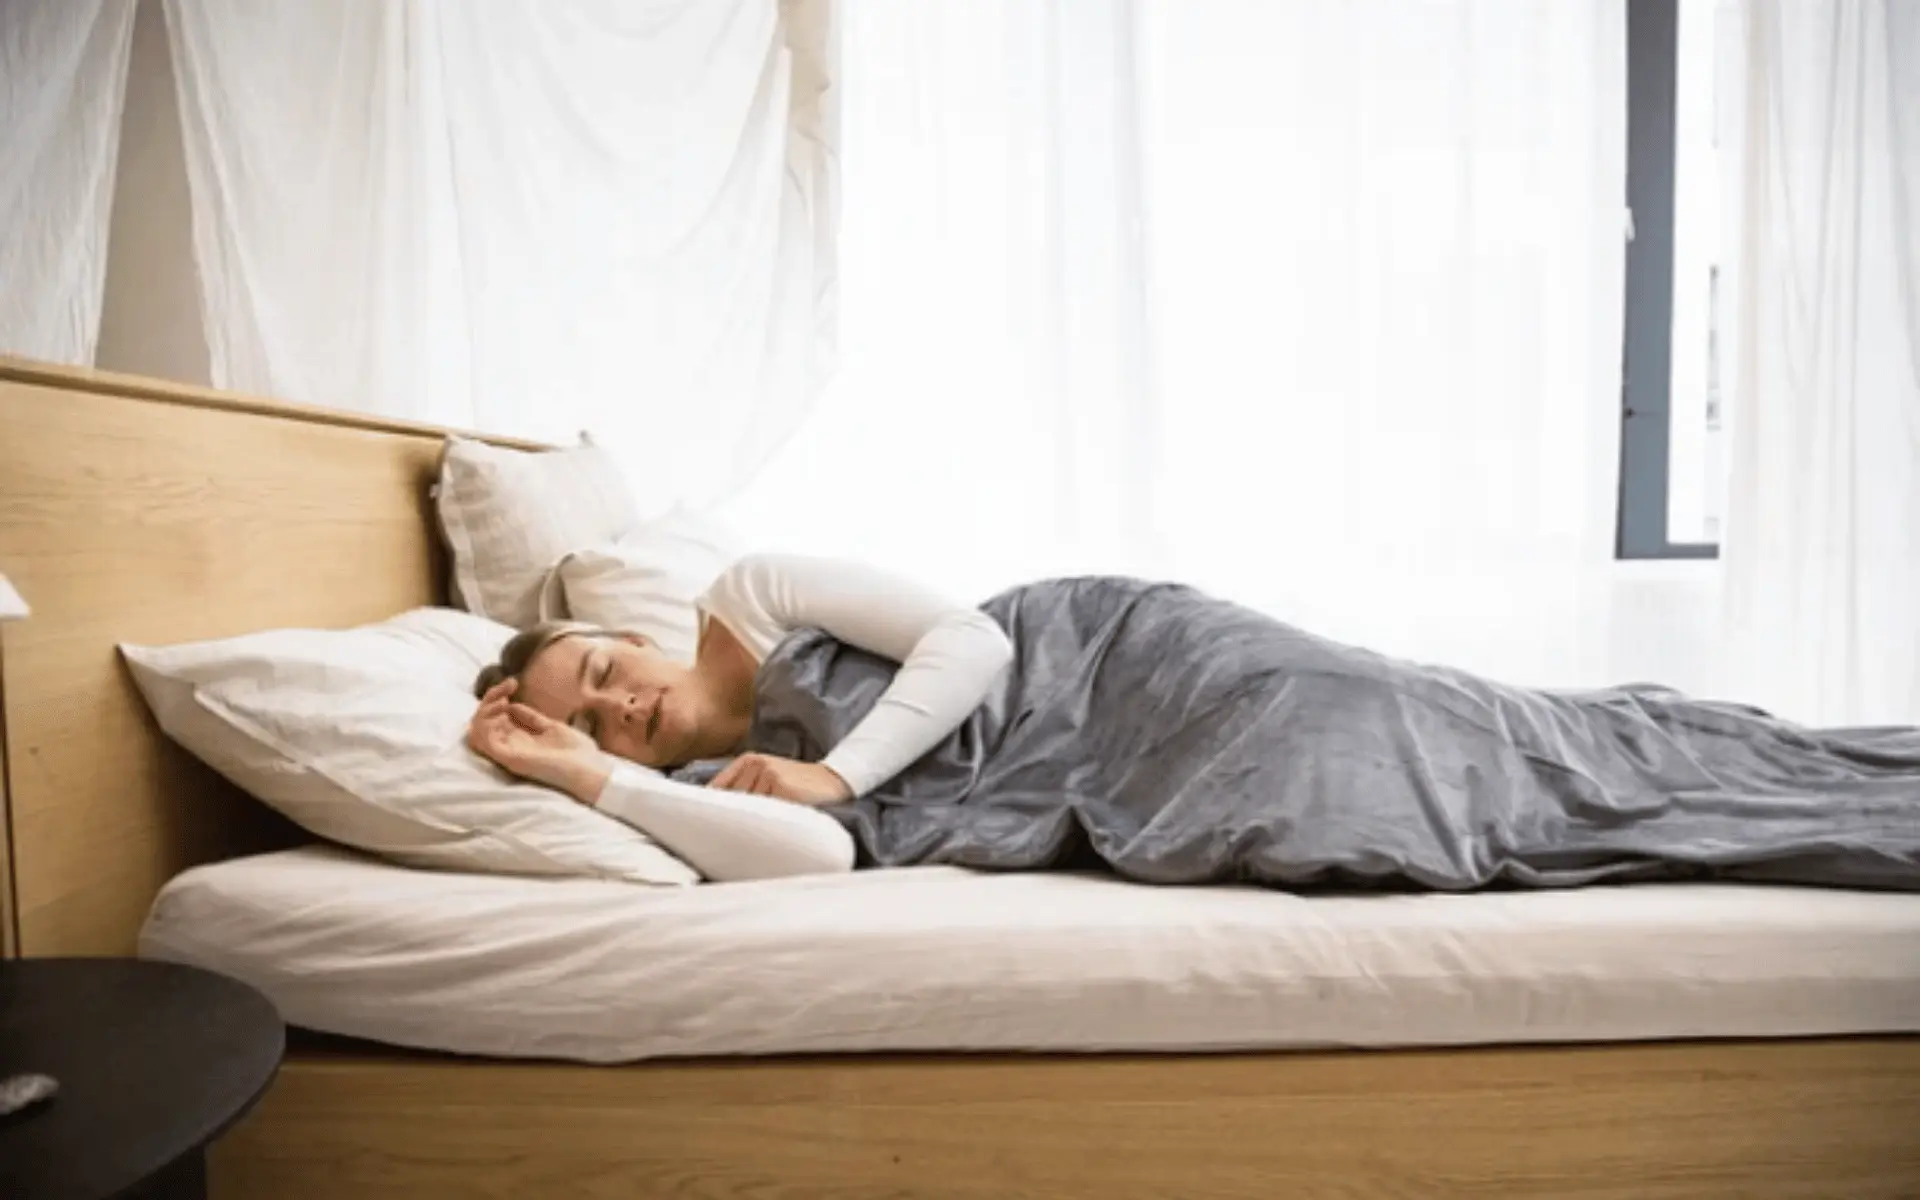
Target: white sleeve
x,y
949,654
727,836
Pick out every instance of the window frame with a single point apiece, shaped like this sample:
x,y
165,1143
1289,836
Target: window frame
x,y
1646,421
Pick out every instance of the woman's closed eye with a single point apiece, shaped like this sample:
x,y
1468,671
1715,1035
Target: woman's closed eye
x,y
598,671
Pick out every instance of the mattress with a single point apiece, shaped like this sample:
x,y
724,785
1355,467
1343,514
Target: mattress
x,y
936,958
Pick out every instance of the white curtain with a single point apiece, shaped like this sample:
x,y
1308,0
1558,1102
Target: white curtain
x,y
533,218
1313,305
1822,548
63,76
303,157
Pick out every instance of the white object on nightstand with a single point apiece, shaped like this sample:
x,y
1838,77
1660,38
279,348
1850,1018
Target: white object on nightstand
x,y
11,605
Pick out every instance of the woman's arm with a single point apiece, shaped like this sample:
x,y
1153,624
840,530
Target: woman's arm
x,y
949,654
721,835
726,836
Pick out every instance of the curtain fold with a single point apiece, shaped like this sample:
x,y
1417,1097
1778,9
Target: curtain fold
x,y
1313,305
1822,547
539,219
63,76
303,157
643,231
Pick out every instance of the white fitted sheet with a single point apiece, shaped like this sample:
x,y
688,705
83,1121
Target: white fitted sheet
x,y
937,958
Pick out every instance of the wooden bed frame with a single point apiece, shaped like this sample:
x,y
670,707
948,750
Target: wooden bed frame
x,y
138,511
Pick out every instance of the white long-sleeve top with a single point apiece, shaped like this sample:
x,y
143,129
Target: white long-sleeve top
x,y
949,656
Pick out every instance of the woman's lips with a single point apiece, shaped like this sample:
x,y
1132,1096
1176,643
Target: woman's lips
x,y
653,717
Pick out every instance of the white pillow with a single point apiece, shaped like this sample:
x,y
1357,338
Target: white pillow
x,y
357,736
646,582
508,516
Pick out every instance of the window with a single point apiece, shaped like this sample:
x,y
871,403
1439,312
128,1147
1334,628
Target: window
x,y
1671,443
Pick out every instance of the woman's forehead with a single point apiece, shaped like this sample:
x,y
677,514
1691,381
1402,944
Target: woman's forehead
x,y
552,679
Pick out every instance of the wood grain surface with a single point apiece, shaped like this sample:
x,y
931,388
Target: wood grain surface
x,y
157,513
1681,1121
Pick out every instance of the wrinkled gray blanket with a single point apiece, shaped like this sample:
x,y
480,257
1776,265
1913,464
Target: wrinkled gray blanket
x,y
1182,739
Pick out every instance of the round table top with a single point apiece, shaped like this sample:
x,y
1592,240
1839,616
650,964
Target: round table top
x,y
154,1061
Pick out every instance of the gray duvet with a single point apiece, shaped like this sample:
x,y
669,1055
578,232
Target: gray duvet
x,y
1182,739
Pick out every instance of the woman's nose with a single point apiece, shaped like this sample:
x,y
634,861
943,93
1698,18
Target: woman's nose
x,y
610,708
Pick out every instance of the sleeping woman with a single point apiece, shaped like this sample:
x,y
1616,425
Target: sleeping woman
x,y
834,713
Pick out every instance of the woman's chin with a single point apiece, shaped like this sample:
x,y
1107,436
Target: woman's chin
x,y
632,750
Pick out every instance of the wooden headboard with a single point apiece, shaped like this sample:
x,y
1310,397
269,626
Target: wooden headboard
x,y
139,511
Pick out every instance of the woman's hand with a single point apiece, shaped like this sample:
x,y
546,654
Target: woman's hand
x,y
536,747
783,779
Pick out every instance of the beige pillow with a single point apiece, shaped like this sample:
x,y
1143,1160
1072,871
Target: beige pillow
x,y
646,582
509,515
358,736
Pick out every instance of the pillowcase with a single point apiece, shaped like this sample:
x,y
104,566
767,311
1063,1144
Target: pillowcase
x,y
508,516
646,583
358,736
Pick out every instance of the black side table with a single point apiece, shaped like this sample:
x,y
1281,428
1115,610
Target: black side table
x,y
154,1061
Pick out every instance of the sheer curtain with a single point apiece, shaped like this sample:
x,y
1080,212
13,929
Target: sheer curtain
x,y
1822,548
538,219
991,408
63,76
1314,305
301,154
642,196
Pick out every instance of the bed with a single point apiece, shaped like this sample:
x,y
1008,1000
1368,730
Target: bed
x,y
944,959
1636,1042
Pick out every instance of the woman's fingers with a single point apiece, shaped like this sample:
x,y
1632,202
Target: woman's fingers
x,y
527,718
495,698
484,736
740,775
492,734
752,773
728,776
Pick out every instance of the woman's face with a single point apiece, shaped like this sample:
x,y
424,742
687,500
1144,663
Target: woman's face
x,y
621,692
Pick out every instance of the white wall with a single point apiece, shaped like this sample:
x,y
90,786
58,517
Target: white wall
x,y
151,322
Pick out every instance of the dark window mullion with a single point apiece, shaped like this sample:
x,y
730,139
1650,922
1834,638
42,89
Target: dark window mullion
x,y
1646,417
